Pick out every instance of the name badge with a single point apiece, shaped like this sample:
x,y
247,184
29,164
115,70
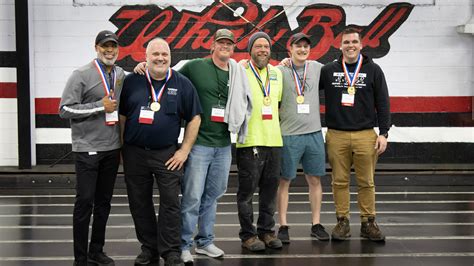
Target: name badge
x,y
111,119
347,99
302,108
217,114
146,116
266,112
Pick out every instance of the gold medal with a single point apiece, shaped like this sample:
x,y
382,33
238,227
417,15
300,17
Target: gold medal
x,y
351,90
267,101
155,106
300,99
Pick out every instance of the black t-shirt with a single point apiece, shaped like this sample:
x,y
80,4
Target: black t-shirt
x,y
179,102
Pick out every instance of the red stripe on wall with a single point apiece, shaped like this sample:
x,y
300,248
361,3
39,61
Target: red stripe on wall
x,y
46,106
7,89
431,104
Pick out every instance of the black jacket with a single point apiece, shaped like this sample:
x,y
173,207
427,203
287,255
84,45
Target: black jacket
x,y
371,104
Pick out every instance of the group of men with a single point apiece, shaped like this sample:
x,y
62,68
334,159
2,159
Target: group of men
x,y
274,112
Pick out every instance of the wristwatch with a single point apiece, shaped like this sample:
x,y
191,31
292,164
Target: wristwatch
x,y
385,135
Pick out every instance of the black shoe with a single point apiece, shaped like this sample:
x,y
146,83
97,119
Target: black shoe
x,y
283,234
100,259
317,230
146,258
174,260
80,263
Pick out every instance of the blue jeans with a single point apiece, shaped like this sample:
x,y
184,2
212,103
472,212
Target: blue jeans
x,y
205,180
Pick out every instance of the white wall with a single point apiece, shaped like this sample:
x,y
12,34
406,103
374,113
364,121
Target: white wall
x,y
427,56
8,106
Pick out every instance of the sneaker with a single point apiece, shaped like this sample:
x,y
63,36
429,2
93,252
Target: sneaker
x,y
342,229
173,260
253,244
145,258
371,230
283,234
186,256
99,258
80,263
317,230
271,240
211,251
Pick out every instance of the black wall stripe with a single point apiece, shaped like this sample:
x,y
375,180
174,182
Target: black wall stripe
x,y
8,59
23,84
397,153
398,119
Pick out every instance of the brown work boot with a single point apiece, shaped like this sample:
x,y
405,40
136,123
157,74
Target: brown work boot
x,y
371,230
270,240
253,244
342,229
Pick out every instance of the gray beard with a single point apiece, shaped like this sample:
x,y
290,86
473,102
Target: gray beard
x,y
261,63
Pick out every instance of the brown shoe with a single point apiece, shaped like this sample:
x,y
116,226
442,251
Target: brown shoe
x,y
371,230
342,229
271,240
253,244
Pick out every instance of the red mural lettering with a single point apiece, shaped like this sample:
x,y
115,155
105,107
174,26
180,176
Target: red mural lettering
x,y
190,33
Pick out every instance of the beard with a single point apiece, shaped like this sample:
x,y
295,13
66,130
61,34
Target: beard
x,y
261,62
107,62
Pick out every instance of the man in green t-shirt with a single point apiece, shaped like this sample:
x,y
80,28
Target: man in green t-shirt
x,y
222,87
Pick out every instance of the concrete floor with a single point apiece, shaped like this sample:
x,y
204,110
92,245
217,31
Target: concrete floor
x,y
425,224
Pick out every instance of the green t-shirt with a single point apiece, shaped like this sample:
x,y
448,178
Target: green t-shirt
x,y
212,85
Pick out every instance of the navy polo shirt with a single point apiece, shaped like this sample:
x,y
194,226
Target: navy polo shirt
x,y
179,102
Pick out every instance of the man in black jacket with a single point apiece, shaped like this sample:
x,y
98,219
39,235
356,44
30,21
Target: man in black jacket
x,y
356,101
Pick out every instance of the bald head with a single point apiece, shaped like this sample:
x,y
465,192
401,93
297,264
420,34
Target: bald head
x,y
158,58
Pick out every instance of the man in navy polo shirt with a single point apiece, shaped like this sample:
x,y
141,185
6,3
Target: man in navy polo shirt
x,y
151,110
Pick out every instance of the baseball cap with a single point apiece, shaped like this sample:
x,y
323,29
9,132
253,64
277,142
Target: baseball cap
x,y
106,36
224,34
298,37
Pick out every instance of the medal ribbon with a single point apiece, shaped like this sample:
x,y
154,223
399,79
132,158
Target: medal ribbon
x,y
104,78
351,81
296,77
157,98
266,88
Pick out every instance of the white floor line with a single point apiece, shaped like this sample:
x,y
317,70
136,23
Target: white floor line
x,y
235,213
291,193
255,203
131,226
270,256
235,239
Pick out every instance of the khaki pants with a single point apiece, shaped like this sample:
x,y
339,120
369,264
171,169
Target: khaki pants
x,y
347,148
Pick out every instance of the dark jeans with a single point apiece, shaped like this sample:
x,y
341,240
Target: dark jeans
x,y
257,170
141,168
94,188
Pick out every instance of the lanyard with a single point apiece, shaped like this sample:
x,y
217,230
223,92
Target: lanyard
x,y
298,83
157,98
266,88
102,74
351,79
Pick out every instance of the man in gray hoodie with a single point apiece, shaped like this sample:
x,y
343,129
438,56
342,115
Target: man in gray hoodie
x,y
90,101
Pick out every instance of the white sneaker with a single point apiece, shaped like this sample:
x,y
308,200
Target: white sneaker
x,y
186,256
211,251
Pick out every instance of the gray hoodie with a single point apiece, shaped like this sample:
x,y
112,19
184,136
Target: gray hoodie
x,y
240,98
81,103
